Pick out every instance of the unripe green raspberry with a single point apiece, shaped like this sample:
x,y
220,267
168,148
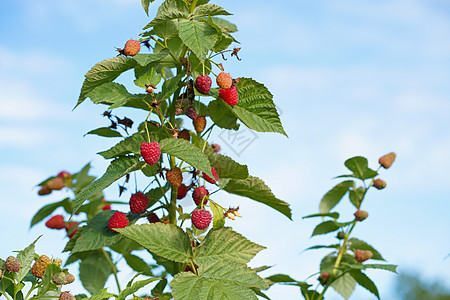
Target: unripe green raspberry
x,y
59,278
340,235
66,296
12,265
379,184
323,278
387,160
69,278
361,215
363,255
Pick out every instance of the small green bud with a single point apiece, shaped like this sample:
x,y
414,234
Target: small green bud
x,y
340,235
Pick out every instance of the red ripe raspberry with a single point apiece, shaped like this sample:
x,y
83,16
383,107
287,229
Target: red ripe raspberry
x,y
201,218
230,96
106,207
118,220
198,195
224,80
64,174
174,177
132,47
55,222
71,228
203,84
209,179
138,203
150,152
182,191
199,124
153,218
215,148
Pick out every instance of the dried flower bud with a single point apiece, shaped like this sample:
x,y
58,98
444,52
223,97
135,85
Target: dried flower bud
x,y
363,255
387,160
215,148
379,184
361,215
230,215
191,112
56,261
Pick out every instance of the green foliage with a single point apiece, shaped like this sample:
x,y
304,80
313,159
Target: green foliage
x,y
334,196
94,271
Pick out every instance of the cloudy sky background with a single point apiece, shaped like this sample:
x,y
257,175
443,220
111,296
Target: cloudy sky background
x,y
350,78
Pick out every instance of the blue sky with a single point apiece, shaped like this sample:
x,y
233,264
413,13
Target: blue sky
x,y
350,78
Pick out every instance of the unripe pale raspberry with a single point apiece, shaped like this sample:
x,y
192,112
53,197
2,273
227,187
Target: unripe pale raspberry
x,y
215,148
55,222
118,220
66,296
201,218
12,265
387,160
56,261
69,278
132,47
138,203
55,183
174,177
323,278
151,152
230,96
363,255
59,278
199,124
45,190
361,215
199,194
203,84
38,268
224,80
209,179
379,184
182,191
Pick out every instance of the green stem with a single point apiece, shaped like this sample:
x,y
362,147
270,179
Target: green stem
x,y
113,266
193,5
162,190
4,294
31,289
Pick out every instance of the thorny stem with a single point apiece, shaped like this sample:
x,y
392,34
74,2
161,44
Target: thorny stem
x,y
113,266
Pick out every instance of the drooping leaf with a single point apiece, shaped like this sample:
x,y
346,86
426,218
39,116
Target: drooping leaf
x,y
100,295
325,227
356,244
102,72
356,196
360,167
344,285
198,36
117,169
281,278
333,196
187,152
129,145
209,10
226,167
94,271
145,59
364,281
254,188
334,215
222,115
169,87
105,132
138,264
171,267
150,78
165,240
225,25
134,288
334,246
97,234
218,217
256,108
47,210
172,6
387,267
113,94
146,4
225,244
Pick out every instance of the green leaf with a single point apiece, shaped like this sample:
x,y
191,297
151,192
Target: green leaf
x,y
254,188
146,4
102,72
117,169
280,278
365,282
171,267
333,196
187,152
100,295
94,271
355,244
188,286
149,77
113,94
344,285
209,10
334,215
97,234
226,167
159,287
225,244
172,6
325,227
222,115
105,132
135,287
225,25
387,267
129,145
198,36
218,217
256,108
169,87
46,211
335,246
25,258
356,196
138,264
146,59
360,167
165,240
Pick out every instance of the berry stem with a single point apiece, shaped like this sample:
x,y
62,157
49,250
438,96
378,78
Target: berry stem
x,y
113,266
